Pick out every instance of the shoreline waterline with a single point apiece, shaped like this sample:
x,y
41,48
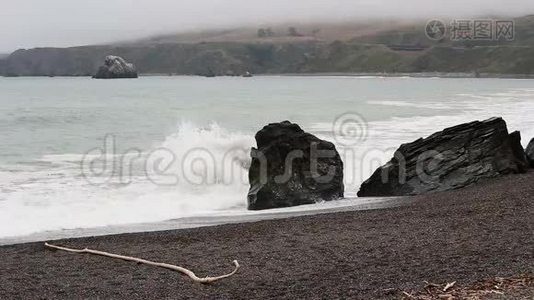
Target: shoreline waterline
x,y
215,219
459,75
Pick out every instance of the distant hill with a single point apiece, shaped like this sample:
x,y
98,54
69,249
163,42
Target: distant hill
x,y
379,46
414,34
277,33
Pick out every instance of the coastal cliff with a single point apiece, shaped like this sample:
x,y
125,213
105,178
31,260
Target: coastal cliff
x,y
377,48
371,47
294,58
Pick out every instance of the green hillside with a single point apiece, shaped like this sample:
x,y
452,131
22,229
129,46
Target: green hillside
x,y
387,47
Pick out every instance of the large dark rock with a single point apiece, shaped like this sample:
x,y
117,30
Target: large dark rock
x,y
291,167
116,67
530,153
453,158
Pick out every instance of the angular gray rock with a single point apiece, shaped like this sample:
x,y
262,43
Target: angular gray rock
x,y
116,67
530,153
291,167
453,158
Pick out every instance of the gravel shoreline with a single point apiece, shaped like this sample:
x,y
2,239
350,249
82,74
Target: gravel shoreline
x,y
467,235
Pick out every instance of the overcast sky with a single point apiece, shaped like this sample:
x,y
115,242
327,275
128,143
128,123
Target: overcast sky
x,y
31,23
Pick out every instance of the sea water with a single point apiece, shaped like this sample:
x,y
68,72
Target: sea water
x,y
80,153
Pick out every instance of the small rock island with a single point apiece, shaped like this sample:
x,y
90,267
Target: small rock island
x,y
116,67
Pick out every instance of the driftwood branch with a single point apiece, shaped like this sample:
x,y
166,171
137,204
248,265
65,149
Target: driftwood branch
x,y
190,274
448,286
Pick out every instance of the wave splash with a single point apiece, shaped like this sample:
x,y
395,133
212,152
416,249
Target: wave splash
x,y
209,167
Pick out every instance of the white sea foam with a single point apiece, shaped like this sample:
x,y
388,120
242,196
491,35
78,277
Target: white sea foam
x,y
57,198
384,137
51,193
428,104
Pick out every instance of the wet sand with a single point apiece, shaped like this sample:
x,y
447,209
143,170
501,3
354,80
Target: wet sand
x,y
213,219
468,235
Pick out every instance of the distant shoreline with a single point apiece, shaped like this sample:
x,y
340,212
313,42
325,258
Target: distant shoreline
x,y
417,75
340,74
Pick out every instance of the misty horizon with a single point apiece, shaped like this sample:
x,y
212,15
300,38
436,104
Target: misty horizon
x,y
61,23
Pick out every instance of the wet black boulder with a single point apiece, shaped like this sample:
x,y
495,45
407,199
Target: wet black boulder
x,y
530,153
450,159
291,167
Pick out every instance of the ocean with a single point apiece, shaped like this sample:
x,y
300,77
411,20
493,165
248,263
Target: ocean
x,y
79,154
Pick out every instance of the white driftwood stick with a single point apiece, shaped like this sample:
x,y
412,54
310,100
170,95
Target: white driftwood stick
x,y
448,286
205,280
